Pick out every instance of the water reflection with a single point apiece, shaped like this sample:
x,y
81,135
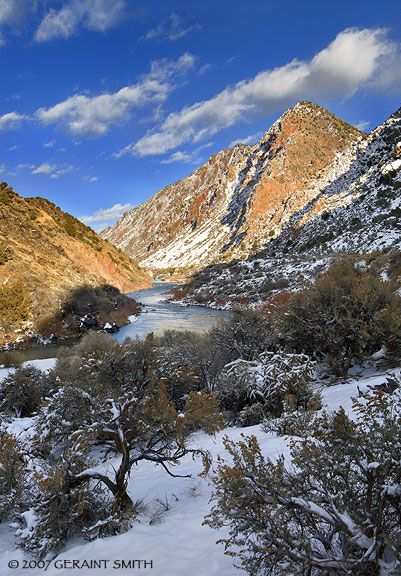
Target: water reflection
x,y
159,315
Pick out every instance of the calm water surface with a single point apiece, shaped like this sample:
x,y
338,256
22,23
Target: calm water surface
x,y
157,315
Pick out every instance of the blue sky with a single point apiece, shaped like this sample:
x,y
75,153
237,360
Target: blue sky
x,y
104,102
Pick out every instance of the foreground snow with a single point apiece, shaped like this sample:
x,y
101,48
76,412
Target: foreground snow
x,y
43,364
178,544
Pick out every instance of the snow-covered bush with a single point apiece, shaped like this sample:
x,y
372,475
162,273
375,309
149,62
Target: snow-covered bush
x,y
201,354
23,391
251,415
273,381
177,373
335,510
115,400
245,334
344,317
53,510
106,362
290,423
11,471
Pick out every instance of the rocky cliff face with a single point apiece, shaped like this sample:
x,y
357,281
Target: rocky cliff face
x,y
243,197
357,214
46,255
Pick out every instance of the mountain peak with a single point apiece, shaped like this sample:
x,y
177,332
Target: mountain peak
x,y
308,116
241,197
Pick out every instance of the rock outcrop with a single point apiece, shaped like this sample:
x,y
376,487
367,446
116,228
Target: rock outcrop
x,y
242,197
45,256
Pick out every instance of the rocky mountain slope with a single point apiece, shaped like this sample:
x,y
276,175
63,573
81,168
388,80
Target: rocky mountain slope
x,y
356,214
46,258
241,198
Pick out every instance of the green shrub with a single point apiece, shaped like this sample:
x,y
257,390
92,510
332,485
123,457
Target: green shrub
x,y
5,198
22,391
5,254
11,469
344,317
14,303
69,226
32,214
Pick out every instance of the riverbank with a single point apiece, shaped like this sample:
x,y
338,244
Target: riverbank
x,y
103,308
155,314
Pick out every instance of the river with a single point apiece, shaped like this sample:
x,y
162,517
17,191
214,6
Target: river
x,y
157,315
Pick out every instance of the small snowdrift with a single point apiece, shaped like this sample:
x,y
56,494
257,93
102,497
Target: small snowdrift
x,y
43,364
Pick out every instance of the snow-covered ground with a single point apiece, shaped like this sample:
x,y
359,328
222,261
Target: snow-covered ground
x,y
44,364
177,545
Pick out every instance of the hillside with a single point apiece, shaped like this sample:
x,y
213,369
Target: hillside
x,y
242,197
46,257
357,213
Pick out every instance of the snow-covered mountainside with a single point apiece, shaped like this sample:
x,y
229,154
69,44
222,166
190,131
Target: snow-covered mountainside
x,y
356,213
243,197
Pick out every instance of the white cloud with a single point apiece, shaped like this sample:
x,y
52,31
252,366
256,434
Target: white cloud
x,y
12,148
92,116
388,78
44,169
11,121
178,157
13,97
52,170
349,63
98,15
105,215
25,167
13,13
2,168
90,178
252,139
363,125
204,69
174,28
66,170
49,144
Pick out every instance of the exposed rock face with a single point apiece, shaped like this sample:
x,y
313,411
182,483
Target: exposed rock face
x,y
358,213
45,255
181,224
242,197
